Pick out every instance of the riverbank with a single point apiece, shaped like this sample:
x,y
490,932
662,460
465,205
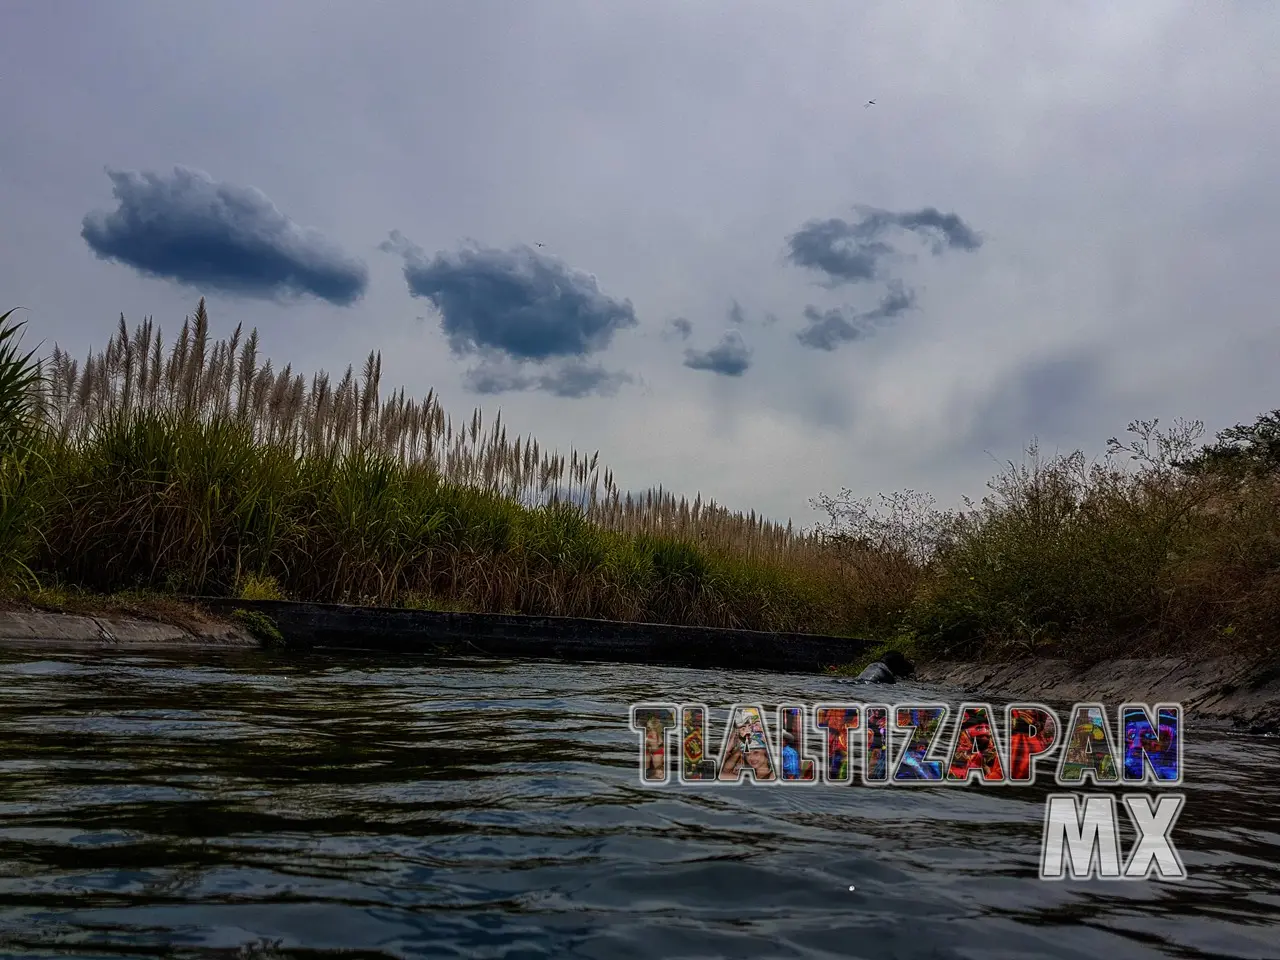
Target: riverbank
x,y
1241,694
212,474
339,627
43,628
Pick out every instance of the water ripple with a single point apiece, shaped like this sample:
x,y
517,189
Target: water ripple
x,y
239,804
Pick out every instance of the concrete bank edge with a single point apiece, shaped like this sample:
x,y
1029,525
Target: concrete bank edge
x,y
21,627
1232,692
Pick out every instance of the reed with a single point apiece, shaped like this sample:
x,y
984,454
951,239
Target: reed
x,y
204,381
202,468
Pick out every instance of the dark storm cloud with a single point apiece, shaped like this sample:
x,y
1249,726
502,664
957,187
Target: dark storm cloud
x,y
573,380
729,358
855,252
829,328
516,302
189,228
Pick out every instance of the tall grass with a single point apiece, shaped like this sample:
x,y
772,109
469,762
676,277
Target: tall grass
x,y
202,468
205,381
21,419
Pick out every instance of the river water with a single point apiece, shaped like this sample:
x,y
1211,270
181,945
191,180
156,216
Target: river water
x,y
241,804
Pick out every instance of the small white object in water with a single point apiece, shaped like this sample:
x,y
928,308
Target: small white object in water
x,y
851,888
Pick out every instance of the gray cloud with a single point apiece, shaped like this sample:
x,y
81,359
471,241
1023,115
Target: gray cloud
x,y
679,327
189,228
828,329
729,358
855,252
736,314
942,230
573,380
1043,397
839,249
515,302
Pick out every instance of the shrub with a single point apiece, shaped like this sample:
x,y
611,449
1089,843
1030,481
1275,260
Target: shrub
x,y
262,627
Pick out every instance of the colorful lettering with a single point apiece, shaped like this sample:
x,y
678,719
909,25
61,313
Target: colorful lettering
x,y
838,722
695,765
925,723
1033,732
797,764
746,750
1089,751
653,721
1154,747
975,748
875,749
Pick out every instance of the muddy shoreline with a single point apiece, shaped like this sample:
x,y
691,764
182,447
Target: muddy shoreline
x,y
1232,693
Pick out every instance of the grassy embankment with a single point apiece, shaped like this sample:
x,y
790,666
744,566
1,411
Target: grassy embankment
x,y
144,476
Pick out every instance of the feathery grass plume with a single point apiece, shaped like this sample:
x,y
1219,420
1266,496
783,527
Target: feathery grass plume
x,y
198,470
205,469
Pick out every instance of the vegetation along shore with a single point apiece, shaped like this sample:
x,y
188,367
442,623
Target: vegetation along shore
x,y
145,473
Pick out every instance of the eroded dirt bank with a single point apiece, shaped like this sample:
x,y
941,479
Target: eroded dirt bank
x,y
1241,694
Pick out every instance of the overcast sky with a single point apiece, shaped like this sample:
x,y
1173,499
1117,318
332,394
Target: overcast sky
x,y
676,232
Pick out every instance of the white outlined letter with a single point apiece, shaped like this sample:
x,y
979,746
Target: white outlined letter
x,y
1154,850
1074,832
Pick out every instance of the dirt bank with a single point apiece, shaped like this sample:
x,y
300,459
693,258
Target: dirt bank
x,y
1237,693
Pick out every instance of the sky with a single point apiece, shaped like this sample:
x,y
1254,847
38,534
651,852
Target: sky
x,y
677,233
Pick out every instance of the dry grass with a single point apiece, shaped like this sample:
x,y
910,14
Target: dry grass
x,y
214,381
205,469
1108,559
131,604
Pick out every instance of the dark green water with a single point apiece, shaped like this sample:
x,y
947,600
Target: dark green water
x,y
235,805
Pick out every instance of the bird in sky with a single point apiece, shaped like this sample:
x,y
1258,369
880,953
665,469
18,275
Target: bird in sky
x,y
539,244
869,103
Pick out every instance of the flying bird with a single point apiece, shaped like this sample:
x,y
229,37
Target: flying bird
x,y
869,103
539,244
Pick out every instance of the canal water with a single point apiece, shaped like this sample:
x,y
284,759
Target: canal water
x,y
240,804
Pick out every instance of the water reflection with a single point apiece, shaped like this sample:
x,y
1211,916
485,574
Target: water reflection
x,y
239,804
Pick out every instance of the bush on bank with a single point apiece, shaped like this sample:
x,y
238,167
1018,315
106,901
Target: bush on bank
x,y
1168,554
